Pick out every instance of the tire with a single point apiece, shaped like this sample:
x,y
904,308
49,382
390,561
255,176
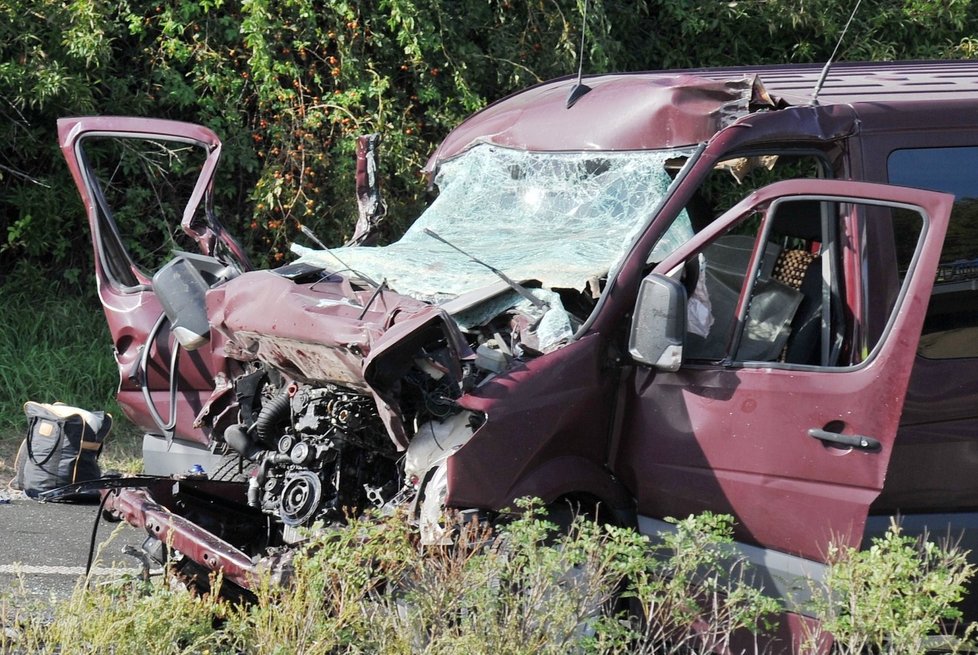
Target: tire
x,y
232,468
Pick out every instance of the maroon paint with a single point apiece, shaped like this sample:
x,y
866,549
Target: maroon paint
x,y
132,312
651,111
729,439
138,508
549,420
735,439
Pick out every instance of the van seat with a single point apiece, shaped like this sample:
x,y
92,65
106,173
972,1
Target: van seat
x,y
801,270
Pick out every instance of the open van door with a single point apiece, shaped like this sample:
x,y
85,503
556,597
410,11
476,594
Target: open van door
x,y
777,400
147,189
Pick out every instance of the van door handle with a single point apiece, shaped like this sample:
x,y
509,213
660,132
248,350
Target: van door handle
x,y
851,440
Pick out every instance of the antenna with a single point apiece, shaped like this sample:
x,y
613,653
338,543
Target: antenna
x,y
580,88
828,64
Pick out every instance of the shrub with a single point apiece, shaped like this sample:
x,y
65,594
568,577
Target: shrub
x,y
527,587
123,616
287,85
695,591
894,596
370,588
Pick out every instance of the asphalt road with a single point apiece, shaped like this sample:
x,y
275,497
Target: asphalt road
x,y
45,546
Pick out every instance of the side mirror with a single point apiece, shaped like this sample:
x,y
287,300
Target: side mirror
x,y
181,288
659,323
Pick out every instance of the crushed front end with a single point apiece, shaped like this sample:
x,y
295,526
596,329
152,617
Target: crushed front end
x,y
355,374
453,368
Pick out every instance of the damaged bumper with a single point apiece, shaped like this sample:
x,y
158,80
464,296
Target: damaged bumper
x,y
206,521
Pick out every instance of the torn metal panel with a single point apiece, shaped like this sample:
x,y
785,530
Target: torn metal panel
x,y
319,331
323,332
651,111
392,358
304,360
370,203
140,509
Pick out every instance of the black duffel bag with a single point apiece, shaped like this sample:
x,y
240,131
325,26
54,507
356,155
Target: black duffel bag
x,y
62,446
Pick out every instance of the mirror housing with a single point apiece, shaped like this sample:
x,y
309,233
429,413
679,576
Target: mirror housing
x,y
659,323
181,285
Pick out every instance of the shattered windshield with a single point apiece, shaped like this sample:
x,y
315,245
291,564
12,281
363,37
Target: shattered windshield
x,y
561,219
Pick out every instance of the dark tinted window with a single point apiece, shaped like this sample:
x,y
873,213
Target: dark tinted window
x,y
951,326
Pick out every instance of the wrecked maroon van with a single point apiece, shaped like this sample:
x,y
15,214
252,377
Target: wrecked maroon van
x,y
679,292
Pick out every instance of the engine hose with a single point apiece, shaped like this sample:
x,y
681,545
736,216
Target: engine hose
x,y
237,438
271,413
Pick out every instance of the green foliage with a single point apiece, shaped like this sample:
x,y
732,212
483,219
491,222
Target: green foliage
x,y
54,346
892,597
693,590
526,587
332,600
305,81
739,32
146,184
370,588
288,85
125,616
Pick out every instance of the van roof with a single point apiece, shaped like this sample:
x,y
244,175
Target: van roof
x,y
664,109
851,83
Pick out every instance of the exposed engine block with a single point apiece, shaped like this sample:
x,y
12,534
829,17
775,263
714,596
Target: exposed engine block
x,y
321,452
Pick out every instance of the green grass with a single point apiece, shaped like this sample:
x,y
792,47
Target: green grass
x,y
55,346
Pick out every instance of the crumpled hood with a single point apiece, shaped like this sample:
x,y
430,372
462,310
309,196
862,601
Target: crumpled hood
x,y
328,331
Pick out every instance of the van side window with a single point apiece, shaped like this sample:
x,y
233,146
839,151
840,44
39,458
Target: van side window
x,y
786,286
734,178
779,310
951,324
724,263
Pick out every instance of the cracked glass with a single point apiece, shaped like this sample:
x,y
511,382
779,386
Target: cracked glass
x,y
561,219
